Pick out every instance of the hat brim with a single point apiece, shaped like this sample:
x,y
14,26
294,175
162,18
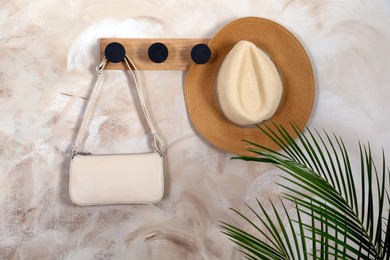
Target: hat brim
x,y
289,57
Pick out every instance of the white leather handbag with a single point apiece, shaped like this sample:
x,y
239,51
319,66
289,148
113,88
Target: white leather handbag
x,y
97,179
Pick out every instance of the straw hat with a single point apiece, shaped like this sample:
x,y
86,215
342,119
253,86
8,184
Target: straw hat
x,y
290,59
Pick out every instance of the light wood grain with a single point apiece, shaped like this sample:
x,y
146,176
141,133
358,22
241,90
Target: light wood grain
x,y
179,57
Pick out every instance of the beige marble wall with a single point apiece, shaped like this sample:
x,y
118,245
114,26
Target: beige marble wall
x,y
47,58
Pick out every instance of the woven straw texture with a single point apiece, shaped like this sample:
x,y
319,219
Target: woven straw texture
x,y
289,57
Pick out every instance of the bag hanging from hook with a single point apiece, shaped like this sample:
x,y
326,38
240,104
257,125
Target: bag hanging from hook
x,y
116,178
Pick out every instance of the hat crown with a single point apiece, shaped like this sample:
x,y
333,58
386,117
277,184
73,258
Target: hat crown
x,y
249,88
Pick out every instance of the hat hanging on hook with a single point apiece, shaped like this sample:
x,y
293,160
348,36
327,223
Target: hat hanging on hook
x,y
268,80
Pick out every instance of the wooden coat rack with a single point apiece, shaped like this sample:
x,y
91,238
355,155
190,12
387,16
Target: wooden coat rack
x,y
179,57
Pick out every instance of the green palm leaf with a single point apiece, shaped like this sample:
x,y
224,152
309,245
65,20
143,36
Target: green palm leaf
x,y
343,221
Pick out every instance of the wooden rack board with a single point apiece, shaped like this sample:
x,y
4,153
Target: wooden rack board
x,y
179,57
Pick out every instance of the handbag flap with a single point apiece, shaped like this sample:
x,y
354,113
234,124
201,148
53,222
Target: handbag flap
x,y
116,179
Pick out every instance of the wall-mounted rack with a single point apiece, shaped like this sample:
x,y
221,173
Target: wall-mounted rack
x,y
179,57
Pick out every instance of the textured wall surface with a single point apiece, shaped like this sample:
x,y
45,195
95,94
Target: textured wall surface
x,y
47,59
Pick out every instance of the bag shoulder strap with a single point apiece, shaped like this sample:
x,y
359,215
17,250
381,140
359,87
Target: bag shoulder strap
x,y
157,144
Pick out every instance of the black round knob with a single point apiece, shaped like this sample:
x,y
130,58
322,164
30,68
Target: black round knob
x,y
201,53
158,52
115,52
